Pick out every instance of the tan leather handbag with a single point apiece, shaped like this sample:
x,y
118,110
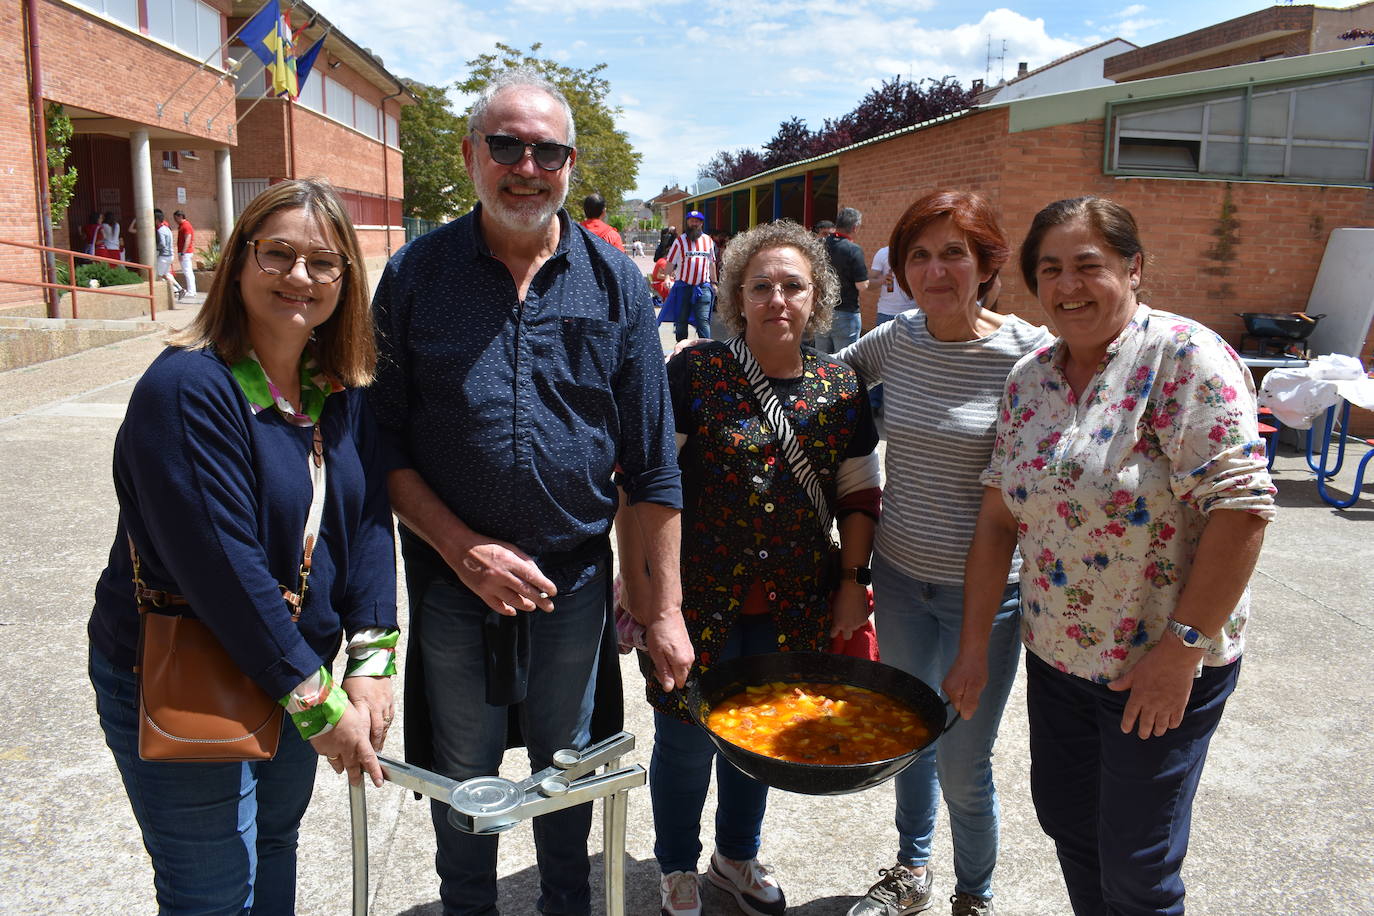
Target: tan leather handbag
x,y
194,703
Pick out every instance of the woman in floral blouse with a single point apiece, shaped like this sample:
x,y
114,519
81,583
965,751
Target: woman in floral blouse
x,y
1129,468
757,570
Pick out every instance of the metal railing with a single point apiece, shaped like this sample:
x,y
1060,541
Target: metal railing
x,y
71,286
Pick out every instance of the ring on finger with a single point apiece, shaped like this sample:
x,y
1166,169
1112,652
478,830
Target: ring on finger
x,y
334,757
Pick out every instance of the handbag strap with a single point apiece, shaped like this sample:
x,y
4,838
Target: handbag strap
x,y
786,435
146,596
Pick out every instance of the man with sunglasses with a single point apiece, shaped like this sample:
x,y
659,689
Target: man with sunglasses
x,y
519,367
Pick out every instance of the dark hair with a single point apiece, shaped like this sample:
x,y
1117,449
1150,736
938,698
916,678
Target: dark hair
x,y
971,214
157,214
593,205
344,345
1106,217
179,214
107,217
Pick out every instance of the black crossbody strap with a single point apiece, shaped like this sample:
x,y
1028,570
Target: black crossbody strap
x,y
775,417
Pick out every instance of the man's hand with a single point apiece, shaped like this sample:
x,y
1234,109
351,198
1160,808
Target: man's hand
x,y
671,650
503,576
1160,684
849,609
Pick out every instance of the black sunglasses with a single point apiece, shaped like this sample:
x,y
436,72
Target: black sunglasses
x,y
547,155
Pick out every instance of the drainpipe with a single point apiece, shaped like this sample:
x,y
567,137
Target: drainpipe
x,y
40,145
386,178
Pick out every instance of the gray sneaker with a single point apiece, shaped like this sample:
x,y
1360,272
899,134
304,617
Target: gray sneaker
x,y
962,904
899,892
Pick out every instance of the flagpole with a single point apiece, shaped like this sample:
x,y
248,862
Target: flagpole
x,y
224,44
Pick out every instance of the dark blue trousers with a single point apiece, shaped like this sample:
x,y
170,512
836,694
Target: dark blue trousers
x,y
1118,808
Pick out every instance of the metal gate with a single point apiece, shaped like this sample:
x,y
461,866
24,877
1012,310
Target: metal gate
x,y
245,189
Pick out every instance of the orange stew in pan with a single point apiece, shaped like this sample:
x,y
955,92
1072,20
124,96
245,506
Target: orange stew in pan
x,y
818,723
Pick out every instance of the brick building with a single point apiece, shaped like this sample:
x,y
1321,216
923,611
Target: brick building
x,y
1279,31
162,118
1236,176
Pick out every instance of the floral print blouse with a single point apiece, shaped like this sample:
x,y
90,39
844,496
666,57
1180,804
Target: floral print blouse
x,y
1111,492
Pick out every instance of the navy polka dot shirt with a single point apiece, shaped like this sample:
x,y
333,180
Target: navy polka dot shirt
x,y
517,413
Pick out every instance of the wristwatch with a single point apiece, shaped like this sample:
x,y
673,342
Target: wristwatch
x,y
1191,637
860,574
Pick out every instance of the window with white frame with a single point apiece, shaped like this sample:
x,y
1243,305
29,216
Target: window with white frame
x,y
312,93
189,25
1320,131
338,101
366,117
393,132
125,11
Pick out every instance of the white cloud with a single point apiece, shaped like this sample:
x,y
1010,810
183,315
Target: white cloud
x,y
1135,9
1129,28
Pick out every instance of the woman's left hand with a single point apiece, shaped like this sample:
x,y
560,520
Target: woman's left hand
x,y
849,609
374,696
347,749
1159,684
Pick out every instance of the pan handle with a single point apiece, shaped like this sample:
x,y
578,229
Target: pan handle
x,y
953,719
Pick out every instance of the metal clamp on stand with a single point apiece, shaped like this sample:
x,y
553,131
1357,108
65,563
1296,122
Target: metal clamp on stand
x,y
492,804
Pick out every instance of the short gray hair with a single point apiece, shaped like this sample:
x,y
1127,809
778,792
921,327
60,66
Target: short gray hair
x,y
517,78
848,219
782,234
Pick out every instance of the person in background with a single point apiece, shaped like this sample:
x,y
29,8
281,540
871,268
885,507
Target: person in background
x,y
824,229
892,301
593,206
165,246
757,571
520,365
666,238
943,367
90,233
660,281
186,252
212,470
692,261
847,258
1129,468
638,248
108,241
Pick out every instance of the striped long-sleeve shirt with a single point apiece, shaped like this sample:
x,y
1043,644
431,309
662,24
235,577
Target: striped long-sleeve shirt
x,y
692,260
940,406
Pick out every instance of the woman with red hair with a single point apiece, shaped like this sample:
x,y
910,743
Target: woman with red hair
x,y
943,366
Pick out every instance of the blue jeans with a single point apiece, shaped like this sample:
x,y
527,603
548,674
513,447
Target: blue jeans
x,y
222,836
1118,808
694,306
470,737
680,773
918,627
845,328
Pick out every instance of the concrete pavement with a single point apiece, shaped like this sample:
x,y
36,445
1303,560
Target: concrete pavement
x,y
1284,822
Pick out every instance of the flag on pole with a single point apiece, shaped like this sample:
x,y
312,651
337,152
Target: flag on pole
x,y
306,61
268,35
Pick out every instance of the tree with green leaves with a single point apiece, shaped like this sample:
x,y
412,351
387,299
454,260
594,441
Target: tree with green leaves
x,y
437,186
61,179
606,162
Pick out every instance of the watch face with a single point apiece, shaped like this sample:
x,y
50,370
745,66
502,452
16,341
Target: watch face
x,y
863,575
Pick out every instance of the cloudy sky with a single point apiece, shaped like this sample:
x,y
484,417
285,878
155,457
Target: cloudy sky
x,y
697,76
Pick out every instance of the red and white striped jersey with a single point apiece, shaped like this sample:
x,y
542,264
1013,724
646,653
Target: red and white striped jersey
x,y
692,260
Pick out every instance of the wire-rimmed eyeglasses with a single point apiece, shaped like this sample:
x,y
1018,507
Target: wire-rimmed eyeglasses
x,y
275,257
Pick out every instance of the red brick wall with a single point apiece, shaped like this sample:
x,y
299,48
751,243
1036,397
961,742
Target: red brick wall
x,y
261,150
1288,19
79,48
197,176
1264,258
18,205
1294,45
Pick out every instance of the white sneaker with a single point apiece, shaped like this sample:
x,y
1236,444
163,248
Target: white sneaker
x,y
754,888
680,893
899,892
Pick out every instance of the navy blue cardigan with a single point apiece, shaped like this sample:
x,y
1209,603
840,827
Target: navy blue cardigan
x,y
215,498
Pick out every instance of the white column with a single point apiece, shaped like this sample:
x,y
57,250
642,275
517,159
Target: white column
x,y
224,177
141,158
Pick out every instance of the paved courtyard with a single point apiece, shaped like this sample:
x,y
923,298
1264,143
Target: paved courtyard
x,y
1284,822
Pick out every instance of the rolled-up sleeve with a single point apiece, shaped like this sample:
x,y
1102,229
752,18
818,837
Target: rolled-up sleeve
x,y
1206,421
